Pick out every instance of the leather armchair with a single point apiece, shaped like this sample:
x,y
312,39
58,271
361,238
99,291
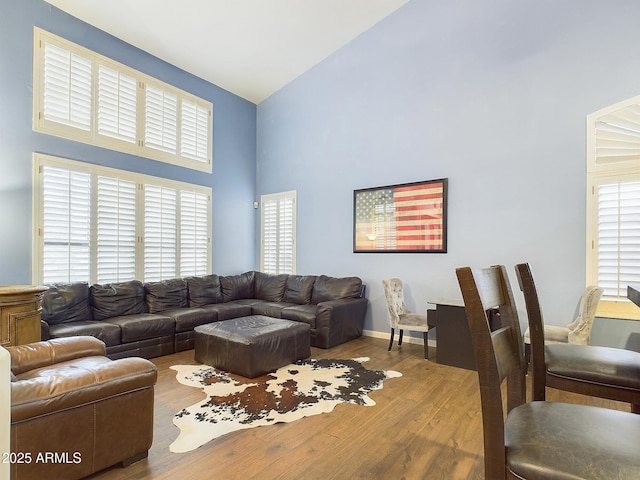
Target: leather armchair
x,y
74,411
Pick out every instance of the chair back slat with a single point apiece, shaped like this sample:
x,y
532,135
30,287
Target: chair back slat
x,y
499,355
536,329
505,352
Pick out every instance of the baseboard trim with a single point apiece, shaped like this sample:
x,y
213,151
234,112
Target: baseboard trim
x,y
405,339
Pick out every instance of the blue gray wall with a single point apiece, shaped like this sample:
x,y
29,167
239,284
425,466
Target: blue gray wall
x,y
492,94
234,134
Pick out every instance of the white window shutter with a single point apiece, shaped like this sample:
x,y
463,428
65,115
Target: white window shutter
x,y
161,119
270,236
194,235
104,225
618,238
160,238
194,131
278,253
116,104
286,220
617,136
67,88
116,230
66,225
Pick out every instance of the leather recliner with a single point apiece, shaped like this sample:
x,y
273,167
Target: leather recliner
x,y
74,411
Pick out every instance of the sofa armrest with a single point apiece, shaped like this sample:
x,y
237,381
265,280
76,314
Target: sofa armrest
x,y
339,321
45,334
41,354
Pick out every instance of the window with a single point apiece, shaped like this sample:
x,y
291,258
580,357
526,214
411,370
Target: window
x,y
85,97
102,225
278,246
613,205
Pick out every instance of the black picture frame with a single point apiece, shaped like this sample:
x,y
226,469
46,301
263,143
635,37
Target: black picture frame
x,y
401,218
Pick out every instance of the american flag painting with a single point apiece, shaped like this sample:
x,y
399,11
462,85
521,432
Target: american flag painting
x,y
401,218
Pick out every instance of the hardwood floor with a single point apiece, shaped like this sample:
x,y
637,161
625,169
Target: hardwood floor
x,y
425,425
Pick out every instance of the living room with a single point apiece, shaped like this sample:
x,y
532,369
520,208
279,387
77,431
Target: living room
x,y
491,95
371,115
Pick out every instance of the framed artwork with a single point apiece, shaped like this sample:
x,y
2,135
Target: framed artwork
x,y
406,218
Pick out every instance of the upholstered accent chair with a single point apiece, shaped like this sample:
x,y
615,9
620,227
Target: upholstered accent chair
x,y
69,399
605,372
578,331
536,440
400,317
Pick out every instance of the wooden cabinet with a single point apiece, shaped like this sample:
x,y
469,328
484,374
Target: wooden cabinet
x,y
20,307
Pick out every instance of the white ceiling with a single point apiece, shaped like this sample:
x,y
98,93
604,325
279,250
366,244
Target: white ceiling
x,y
250,47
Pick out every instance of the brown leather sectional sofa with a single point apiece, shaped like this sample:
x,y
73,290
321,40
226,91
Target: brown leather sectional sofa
x,y
158,318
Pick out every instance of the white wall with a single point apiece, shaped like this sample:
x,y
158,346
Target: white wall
x,y
492,94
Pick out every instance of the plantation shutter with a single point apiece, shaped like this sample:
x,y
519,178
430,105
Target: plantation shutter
x,y
67,88
194,234
66,221
278,233
194,131
286,235
270,236
618,237
160,238
161,119
617,136
116,104
116,232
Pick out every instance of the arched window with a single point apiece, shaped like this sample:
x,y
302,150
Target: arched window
x,y
613,205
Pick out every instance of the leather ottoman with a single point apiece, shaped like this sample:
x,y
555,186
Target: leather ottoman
x,y
252,346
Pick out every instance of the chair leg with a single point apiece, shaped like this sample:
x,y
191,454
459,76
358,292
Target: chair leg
x,y
426,345
391,340
400,338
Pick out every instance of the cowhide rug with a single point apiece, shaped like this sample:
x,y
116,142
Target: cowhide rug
x,y
304,388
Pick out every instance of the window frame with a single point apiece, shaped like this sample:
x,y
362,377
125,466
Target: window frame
x,y
92,136
606,170
40,161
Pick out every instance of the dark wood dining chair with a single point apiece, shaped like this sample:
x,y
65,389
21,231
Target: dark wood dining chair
x,y
536,440
605,372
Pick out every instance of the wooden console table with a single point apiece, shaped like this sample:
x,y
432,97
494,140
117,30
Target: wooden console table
x,y
20,307
453,337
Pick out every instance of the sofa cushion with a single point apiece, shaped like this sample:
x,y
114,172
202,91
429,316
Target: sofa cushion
x,y
76,383
225,311
269,309
331,288
301,313
116,299
298,289
188,318
66,302
143,326
270,288
107,332
166,294
204,290
236,287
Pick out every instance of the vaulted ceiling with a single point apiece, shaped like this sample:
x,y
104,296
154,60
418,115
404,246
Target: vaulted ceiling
x,y
250,47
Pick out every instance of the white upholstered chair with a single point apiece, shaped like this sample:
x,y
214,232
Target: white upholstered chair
x,y
400,317
578,331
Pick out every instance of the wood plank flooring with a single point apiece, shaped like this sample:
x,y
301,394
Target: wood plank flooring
x,y
425,425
